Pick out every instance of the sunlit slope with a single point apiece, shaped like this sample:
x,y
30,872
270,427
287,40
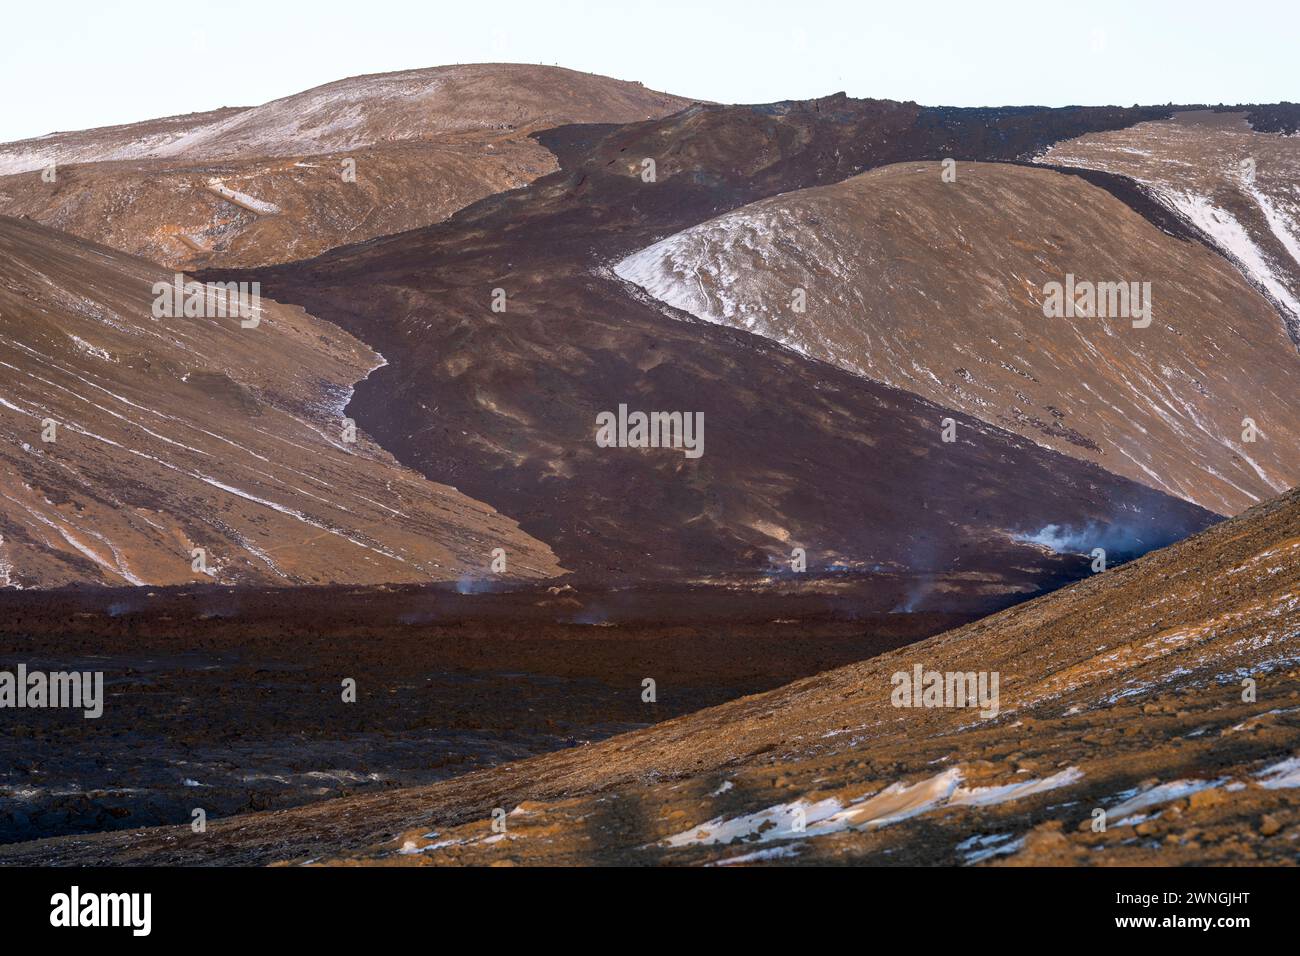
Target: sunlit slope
x,y
939,287
357,158
132,441
1237,183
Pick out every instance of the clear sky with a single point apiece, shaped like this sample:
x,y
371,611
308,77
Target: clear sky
x,y
85,63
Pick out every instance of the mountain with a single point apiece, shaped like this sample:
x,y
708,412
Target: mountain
x,y
130,440
1164,695
504,404
939,287
539,264
361,157
358,112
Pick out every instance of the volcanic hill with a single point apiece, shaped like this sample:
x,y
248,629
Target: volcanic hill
x,y
360,157
937,287
129,441
798,453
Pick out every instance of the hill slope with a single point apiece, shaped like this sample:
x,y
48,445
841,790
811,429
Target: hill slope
x,y
178,433
1231,177
361,111
361,157
246,212
938,288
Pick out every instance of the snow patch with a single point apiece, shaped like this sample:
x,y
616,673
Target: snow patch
x,y
899,801
1282,775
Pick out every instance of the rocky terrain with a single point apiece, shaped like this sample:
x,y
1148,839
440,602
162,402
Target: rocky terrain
x,y
1164,694
230,699
937,287
508,319
130,441
362,157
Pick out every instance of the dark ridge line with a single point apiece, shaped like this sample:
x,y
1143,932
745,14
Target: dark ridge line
x,y
1283,117
1130,192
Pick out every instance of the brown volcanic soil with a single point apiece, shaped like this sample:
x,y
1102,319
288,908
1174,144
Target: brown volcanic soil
x,y
361,111
238,690
425,143
167,212
503,405
176,433
108,143
1121,693
937,288
1193,164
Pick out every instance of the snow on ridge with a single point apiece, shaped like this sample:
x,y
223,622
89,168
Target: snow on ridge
x,y
1235,242
335,107
7,573
1284,774
89,349
760,856
25,156
333,117
1160,793
723,251
1282,225
895,803
982,847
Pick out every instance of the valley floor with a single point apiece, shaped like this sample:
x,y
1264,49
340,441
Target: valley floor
x,y
1149,714
231,700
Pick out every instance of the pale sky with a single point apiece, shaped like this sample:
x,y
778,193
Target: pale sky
x,y
86,63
